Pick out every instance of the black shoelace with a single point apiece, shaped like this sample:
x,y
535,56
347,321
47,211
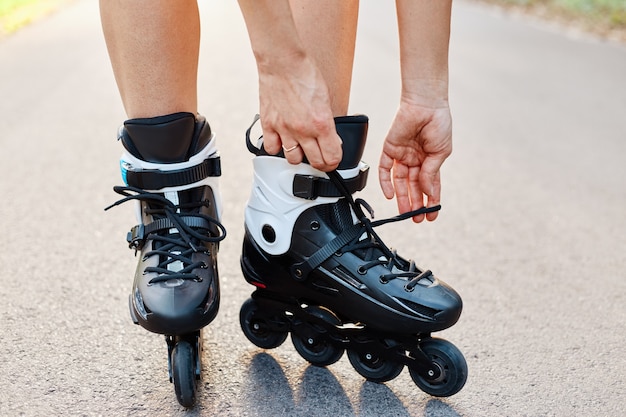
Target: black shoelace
x,y
172,247
372,244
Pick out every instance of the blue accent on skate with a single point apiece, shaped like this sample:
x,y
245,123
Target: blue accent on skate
x,y
124,172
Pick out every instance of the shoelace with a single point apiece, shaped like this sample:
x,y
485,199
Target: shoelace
x,y
373,244
177,247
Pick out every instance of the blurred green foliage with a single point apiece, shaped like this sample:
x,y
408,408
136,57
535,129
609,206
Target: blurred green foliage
x,y
17,13
607,12
9,6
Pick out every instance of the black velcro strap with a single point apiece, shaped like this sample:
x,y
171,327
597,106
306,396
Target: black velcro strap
x,y
300,271
153,179
138,234
310,187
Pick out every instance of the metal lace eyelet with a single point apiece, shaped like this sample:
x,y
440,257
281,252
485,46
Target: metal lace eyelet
x,y
315,225
408,289
383,280
361,270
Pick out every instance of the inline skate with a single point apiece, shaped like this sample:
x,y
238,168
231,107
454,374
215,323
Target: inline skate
x,y
171,167
323,275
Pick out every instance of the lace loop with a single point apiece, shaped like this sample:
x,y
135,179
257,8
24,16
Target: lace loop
x,y
377,253
186,234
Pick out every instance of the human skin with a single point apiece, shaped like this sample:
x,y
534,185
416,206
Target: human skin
x,y
305,67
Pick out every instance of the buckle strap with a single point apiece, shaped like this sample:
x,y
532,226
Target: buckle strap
x,y
138,234
154,179
300,271
310,187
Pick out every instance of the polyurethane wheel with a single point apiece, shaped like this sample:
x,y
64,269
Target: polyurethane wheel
x,y
318,351
255,326
314,345
449,369
373,367
184,373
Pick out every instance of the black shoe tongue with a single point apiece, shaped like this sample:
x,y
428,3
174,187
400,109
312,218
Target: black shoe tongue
x,y
189,200
340,216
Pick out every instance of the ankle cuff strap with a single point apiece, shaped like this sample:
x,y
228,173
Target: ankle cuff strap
x,y
138,234
310,187
154,179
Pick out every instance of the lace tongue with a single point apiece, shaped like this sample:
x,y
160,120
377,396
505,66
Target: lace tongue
x,y
173,197
340,216
190,202
174,265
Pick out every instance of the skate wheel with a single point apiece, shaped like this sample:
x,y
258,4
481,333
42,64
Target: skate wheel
x,y
373,367
184,373
314,345
255,326
449,369
319,351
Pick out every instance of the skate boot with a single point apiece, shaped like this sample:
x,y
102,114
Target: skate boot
x,y
323,275
170,168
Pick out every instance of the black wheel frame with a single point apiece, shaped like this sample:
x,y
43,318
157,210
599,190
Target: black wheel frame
x,y
254,326
184,373
374,368
449,365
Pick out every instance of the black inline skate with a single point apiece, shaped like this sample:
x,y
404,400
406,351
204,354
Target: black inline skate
x,y
323,274
171,169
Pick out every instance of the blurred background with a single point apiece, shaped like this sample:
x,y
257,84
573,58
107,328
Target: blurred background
x,y
603,17
532,233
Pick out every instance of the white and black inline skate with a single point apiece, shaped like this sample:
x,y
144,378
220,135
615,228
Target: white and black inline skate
x,y
171,169
323,275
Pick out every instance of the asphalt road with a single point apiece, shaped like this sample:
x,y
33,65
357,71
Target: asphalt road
x,y
532,233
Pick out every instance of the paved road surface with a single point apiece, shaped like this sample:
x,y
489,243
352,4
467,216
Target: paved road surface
x,y
533,231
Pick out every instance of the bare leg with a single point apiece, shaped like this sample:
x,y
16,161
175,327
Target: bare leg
x,y
327,29
153,46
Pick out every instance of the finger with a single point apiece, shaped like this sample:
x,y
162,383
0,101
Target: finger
x,y
331,149
310,147
293,151
400,185
271,142
324,151
384,175
430,181
416,195
435,197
